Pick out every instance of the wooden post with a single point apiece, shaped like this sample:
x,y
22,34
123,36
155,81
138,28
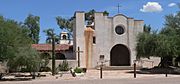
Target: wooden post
x,y
166,72
101,61
101,70
78,57
134,70
33,75
53,57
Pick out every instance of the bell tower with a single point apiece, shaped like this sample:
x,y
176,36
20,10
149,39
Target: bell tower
x,y
64,38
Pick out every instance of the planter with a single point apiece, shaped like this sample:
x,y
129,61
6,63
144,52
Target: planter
x,y
79,74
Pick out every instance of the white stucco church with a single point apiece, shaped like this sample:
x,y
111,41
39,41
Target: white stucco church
x,y
109,38
112,39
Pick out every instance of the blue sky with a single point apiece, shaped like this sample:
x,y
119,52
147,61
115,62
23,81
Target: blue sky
x,y
151,11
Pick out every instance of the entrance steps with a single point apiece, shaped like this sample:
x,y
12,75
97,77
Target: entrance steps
x,y
119,68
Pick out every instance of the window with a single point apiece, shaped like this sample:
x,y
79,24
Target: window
x,y
101,57
64,37
94,40
119,30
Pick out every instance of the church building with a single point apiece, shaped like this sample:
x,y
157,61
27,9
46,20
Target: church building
x,y
112,39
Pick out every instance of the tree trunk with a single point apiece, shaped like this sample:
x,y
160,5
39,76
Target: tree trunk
x,y
165,62
1,75
53,57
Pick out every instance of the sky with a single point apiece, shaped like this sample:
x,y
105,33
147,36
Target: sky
x,y
151,11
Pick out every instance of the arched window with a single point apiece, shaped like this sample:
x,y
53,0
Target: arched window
x,y
45,56
64,37
60,56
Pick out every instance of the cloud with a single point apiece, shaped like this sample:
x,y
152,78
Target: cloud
x,y
172,4
152,7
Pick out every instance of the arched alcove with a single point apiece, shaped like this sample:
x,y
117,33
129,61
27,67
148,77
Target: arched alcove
x,y
120,56
60,56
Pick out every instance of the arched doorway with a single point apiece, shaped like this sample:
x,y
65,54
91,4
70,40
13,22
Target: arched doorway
x,y
45,57
120,56
60,56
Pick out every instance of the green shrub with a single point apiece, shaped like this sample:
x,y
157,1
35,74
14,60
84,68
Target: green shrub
x,y
78,70
64,66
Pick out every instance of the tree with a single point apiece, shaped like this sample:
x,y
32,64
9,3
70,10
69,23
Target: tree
x,y
167,49
164,44
32,23
16,44
172,28
67,23
64,23
157,45
146,44
172,21
89,16
51,35
147,28
28,60
12,36
105,13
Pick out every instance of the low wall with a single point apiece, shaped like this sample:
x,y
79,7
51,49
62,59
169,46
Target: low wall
x,y
149,63
72,63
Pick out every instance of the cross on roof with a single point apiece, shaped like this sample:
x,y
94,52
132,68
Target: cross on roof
x,y
118,8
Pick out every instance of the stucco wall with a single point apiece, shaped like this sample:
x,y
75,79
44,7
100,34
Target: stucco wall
x,y
79,38
72,63
106,37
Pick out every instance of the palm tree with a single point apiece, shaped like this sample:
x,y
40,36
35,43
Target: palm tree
x,y
51,39
49,33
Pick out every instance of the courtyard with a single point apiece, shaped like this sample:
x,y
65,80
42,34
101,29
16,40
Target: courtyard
x,y
109,77
107,74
